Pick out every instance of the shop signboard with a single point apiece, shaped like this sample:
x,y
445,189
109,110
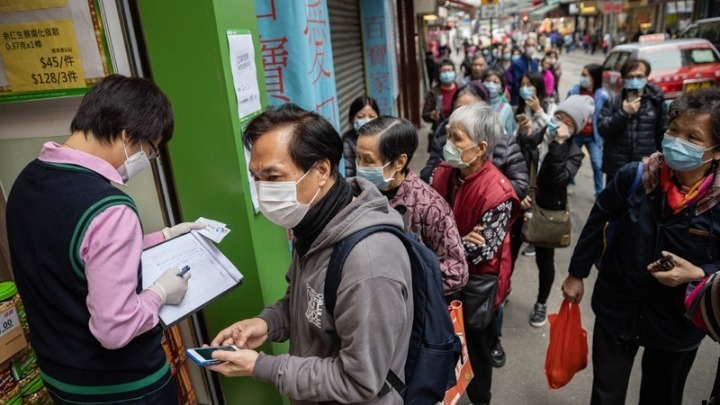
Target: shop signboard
x,y
380,55
488,12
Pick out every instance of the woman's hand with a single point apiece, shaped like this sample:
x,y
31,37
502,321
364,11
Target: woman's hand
x,y
534,103
524,127
475,236
683,272
526,203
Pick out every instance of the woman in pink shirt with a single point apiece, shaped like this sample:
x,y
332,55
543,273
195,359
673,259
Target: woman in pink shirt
x,y
548,74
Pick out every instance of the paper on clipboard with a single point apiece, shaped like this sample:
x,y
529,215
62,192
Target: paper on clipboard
x,y
244,72
212,274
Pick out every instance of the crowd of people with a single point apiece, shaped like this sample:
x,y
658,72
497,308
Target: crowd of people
x,y
503,141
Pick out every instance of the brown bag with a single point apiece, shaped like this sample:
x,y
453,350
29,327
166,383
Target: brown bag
x,y
463,371
543,227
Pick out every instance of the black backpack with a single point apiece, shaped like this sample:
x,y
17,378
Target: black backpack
x,y
434,346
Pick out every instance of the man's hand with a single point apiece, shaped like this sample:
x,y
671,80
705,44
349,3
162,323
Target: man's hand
x,y
247,334
435,115
573,289
631,107
475,236
234,363
526,203
683,272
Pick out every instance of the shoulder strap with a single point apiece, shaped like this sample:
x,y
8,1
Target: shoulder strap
x,y
636,182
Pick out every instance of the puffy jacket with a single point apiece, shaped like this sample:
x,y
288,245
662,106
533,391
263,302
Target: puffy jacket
x,y
559,166
506,156
630,138
349,139
626,299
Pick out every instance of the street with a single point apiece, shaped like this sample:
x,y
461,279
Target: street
x,y
522,379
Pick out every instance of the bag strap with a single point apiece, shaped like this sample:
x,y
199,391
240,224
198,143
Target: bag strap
x,y
636,181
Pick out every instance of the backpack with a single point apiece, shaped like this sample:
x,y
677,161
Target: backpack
x,y
434,346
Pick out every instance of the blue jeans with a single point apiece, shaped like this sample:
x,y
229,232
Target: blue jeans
x,y
595,151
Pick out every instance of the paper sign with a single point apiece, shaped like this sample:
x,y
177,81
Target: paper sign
x,y
242,64
42,55
23,5
215,231
12,338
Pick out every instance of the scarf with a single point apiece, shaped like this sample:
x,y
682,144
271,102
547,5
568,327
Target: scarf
x,y
337,198
676,199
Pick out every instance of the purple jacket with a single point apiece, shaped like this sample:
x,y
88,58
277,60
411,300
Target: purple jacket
x,y
430,217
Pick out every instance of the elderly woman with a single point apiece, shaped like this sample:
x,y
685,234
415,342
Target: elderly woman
x,y
668,210
484,205
385,147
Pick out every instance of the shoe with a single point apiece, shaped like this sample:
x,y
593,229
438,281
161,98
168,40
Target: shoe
x,y
529,250
497,355
538,317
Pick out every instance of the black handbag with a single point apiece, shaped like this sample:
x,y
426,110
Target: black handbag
x,y
478,298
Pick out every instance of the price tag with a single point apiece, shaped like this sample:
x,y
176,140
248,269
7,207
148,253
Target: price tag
x,y
42,55
9,320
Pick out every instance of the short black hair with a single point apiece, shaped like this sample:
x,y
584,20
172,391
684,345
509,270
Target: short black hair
x,y
699,102
469,88
495,72
118,103
632,64
360,103
397,136
445,62
313,138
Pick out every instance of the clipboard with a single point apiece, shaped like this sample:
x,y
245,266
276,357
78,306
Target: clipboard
x,y
212,274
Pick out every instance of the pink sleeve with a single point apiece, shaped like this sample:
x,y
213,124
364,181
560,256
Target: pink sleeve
x,y
549,83
153,239
111,251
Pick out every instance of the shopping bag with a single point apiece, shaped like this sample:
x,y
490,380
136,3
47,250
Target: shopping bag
x,y
567,351
463,371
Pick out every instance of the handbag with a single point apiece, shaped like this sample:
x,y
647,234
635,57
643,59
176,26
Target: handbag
x,y
478,298
463,370
544,227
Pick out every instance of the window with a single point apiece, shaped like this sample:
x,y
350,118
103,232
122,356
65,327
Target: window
x,y
677,58
701,56
616,60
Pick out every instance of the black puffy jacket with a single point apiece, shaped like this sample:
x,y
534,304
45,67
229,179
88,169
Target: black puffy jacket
x,y
349,139
630,138
506,156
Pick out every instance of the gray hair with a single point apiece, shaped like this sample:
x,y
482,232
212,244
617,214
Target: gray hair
x,y
481,122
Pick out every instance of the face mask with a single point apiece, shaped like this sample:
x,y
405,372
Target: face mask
x,y
585,82
635,84
447,77
492,88
515,57
360,122
375,175
133,164
453,155
507,56
527,92
552,127
485,52
279,204
682,155
553,61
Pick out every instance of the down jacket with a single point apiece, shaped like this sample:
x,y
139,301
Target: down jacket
x,y
506,156
630,138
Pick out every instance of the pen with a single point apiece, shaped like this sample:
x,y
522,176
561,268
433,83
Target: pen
x,y
183,271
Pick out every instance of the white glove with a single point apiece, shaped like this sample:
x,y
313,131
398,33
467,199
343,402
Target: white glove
x,y
182,229
170,287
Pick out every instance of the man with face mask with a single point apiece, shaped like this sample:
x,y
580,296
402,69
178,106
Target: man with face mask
x,y
76,242
346,355
521,66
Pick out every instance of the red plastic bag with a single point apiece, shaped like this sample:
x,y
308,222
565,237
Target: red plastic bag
x,y
567,351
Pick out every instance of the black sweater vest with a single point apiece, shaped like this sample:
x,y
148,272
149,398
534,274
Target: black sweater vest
x,y
48,212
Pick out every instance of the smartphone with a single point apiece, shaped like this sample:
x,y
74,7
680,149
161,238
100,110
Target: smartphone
x,y
632,94
666,263
520,118
203,355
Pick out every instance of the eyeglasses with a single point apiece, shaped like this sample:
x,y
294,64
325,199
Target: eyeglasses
x,y
635,77
154,151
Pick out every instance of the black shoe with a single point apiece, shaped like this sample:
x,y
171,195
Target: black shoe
x,y
538,317
529,250
497,355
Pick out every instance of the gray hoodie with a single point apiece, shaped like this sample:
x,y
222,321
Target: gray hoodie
x,y
345,358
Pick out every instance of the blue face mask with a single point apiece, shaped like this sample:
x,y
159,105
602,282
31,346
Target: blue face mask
x,y
447,77
485,52
493,89
552,127
360,122
585,82
635,84
682,155
507,56
515,57
375,175
527,92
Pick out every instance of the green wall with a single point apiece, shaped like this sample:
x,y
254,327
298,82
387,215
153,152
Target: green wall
x,y
188,50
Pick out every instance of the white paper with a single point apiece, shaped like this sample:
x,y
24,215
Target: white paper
x,y
215,231
211,273
242,65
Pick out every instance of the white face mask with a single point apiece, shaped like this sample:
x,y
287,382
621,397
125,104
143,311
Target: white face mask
x,y
279,204
133,164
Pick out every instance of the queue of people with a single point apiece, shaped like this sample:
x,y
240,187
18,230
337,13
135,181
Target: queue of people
x,y
489,166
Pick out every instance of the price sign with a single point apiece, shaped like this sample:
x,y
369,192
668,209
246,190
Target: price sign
x,y
8,320
42,55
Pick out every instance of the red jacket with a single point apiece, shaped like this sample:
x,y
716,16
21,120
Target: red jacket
x,y
479,193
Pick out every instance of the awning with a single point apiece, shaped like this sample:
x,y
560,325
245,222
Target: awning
x,y
540,13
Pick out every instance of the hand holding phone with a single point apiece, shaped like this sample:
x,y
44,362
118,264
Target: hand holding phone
x,y
203,355
520,118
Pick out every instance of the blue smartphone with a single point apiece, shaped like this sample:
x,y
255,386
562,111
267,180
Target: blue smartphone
x,y
203,355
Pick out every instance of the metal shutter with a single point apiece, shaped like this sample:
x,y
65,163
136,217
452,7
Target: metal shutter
x,y
346,38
